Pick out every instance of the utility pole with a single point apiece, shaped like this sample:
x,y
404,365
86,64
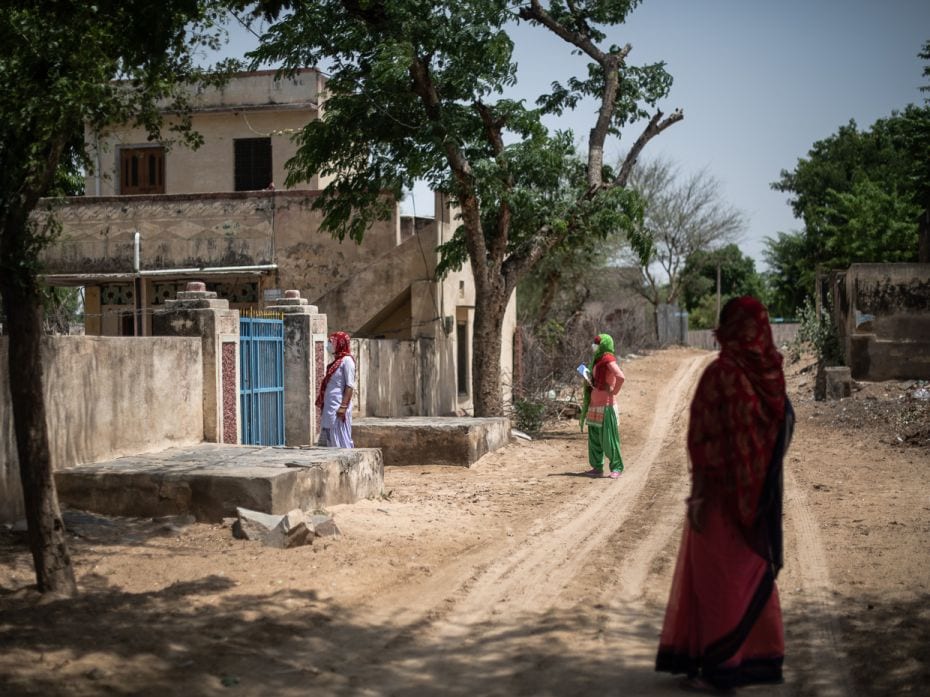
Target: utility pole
x,y
718,294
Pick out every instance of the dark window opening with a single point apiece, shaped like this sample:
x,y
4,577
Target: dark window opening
x,y
252,163
461,340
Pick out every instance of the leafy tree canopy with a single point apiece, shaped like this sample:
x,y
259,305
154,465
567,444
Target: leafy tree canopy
x,y
418,91
66,65
863,196
738,276
790,278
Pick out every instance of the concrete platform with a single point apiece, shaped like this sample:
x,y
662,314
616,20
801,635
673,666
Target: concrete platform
x,y
426,440
209,481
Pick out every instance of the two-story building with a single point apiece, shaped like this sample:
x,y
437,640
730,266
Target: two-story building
x,y
156,216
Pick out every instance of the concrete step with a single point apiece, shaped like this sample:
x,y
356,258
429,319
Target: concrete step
x,y
427,440
209,481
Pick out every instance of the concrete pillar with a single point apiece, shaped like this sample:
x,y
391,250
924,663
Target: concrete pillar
x,y
304,363
197,312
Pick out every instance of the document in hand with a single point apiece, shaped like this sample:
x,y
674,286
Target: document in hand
x,y
584,372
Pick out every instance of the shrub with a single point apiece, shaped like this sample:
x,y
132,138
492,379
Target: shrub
x,y
528,415
820,334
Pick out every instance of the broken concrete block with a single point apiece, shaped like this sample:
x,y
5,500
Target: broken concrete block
x,y
293,530
838,382
253,525
281,531
325,526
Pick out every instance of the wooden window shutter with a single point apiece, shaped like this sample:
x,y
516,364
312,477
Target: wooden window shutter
x,y
142,170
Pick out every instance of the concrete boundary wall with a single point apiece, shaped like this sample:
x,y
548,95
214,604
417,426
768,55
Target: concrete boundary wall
x,y
402,378
704,338
107,397
387,380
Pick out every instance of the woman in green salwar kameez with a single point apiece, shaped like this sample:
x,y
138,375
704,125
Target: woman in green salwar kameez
x,y
598,409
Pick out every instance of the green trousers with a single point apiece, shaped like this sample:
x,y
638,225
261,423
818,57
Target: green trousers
x,y
604,439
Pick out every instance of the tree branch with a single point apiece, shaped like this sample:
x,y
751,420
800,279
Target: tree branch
x,y
610,63
598,134
461,169
655,126
536,13
492,129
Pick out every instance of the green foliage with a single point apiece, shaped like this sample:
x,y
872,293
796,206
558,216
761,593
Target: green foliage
x,y
541,183
528,415
860,195
704,314
819,333
417,91
791,277
738,276
62,308
380,132
569,273
67,65
869,222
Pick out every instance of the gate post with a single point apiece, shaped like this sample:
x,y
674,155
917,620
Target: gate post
x,y
197,312
304,341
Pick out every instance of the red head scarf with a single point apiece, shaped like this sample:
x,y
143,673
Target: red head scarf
x,y
738,409
341,349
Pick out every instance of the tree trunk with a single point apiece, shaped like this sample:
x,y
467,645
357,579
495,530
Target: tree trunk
x,y
46,529
490,307
548,296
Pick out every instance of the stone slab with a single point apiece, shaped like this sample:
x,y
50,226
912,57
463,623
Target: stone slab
x,y
426,440
210,481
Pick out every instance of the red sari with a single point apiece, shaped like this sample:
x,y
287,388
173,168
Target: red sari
x,y
723,621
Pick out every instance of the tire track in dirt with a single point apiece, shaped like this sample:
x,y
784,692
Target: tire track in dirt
x,y
828,678
471,604
664,514
530,578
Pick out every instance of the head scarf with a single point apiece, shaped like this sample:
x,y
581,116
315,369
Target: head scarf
x,y
341,349
603,355
739,409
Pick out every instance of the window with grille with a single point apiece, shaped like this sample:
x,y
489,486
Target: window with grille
x,y
252,163
142,170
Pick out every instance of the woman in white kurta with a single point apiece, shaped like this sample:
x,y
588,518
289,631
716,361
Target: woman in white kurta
x,y
335,396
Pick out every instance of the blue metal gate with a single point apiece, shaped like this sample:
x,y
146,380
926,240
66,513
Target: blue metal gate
x,y
261,359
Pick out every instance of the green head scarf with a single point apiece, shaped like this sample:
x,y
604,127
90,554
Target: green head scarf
x,y
605,344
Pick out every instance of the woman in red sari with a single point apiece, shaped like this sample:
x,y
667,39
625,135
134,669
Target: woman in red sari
x,y
723,624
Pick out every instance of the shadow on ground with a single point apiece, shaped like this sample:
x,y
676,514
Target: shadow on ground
x,y
203,638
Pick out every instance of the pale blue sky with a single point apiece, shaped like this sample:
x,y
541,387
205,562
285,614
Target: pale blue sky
x,y
759,81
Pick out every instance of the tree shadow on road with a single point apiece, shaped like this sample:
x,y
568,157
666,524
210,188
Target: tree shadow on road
x,y
884,643
203,637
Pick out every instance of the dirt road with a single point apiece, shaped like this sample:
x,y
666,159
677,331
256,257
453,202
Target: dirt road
x,y
517,576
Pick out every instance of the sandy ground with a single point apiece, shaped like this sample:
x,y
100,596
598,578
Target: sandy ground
x,y
517,576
